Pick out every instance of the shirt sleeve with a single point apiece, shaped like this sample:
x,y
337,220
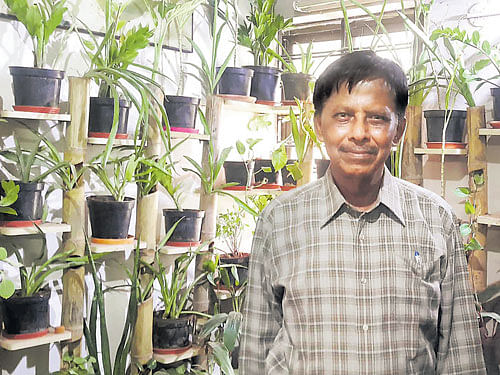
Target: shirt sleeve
x,y
459,349
262,312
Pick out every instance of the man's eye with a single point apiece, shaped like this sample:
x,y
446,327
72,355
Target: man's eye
x,y
341,116
379,118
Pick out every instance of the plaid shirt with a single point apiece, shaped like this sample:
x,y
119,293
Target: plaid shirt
x,y
335,291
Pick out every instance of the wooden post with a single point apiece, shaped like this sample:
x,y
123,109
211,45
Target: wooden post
x,y
411,164
208,202
74,214
476,163
146,229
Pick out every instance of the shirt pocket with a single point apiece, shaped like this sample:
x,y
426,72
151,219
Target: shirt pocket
x,y
280,358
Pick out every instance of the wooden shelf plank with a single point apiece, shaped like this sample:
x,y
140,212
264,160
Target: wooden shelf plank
x,y
437,151
105,248
193,351
20,115
489,219
182,135
257,108
15,344
45,227
117,142
488,131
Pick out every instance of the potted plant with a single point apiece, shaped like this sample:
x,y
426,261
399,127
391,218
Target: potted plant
x,y
37,89
7,287
110,59
257,35
181,109
172,333
296,83
240,173
26,312
29,205
110,214
230,228
235,82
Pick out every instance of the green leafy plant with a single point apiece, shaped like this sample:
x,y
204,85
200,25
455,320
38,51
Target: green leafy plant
x,y
74,365
40,19
123,172
173,290
230,228
10,191
261,30
110,62
306,59
7,287
25,161
223,331
247,155
469,229
98,345
207,73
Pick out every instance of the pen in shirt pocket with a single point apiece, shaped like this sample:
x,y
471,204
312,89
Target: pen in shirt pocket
x,y
418,260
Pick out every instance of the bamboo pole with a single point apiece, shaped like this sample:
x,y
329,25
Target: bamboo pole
x,y
146,229
74,213
476,163
208,202
411,164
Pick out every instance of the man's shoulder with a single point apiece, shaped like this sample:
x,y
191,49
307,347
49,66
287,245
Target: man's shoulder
x,y
412,194
293,198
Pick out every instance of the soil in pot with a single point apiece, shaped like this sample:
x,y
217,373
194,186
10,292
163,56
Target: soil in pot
x,y
296,85
109,218
235,81
29,205
181,112
454,131
236,171
171,334
25,317
36,89
266,84
321,167
189,228
101,117
495,92
242,260
265,178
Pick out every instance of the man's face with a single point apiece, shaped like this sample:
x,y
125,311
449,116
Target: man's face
x,y
359,129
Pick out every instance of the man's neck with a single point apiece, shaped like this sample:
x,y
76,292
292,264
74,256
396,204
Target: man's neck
x,y
362,193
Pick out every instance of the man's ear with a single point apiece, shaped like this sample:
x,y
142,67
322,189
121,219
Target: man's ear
x,y
317,128
400,130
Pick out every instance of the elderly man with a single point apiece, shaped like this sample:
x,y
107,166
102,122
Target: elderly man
x,y
359,272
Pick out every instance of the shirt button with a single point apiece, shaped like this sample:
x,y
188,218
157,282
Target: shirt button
x,y
362,237
365,327
363,281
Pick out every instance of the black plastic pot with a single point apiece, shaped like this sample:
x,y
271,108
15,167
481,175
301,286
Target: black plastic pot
x,y
109,218
235,81
181,111
321,167
240,261
495,92
171,333
236,171
29,203
454,131
286,176
101,116
188,229
35,86
22,315
296,85
260,175
266,83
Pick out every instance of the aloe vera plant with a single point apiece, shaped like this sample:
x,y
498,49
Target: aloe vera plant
x,y
40,19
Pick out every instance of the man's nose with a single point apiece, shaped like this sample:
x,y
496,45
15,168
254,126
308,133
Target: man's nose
x,y
359,128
